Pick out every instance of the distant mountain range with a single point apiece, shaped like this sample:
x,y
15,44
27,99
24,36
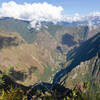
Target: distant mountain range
x,y
90,20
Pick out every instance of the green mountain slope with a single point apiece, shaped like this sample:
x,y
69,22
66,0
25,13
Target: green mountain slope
x,y
30,34
19,26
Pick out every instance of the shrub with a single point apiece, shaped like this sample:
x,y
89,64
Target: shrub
x,y
12,94
1,81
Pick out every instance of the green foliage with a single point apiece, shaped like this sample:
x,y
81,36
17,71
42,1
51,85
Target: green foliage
x,y
9,70
93,92
43,96
12,94
1,81
86,85
78,92
98,95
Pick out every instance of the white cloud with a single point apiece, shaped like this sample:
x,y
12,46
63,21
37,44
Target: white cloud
x,y
35,12
75,17
94,14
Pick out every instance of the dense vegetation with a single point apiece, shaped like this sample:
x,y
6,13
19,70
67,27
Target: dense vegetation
x,y
10,90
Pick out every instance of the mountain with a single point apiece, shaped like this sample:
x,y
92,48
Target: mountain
x,y
14,25
52,35
10,39
25,62
83,65
33,55
90,20
70,50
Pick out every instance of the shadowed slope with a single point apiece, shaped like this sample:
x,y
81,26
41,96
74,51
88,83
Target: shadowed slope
x,y
84,52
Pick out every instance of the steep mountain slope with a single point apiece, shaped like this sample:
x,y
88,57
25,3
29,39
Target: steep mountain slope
x,y
83,65
88,55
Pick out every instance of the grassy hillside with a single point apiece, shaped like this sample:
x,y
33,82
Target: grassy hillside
x,y
26,63
22,27
29,62
19,26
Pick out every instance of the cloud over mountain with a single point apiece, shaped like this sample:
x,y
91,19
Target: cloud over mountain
x,y
33,12
37,12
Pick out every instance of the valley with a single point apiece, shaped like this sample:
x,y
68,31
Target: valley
x,y
56,53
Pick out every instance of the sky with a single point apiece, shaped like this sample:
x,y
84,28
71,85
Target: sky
x,y
36,11
83,7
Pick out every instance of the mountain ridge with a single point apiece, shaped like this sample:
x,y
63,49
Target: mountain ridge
x,y
80,54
